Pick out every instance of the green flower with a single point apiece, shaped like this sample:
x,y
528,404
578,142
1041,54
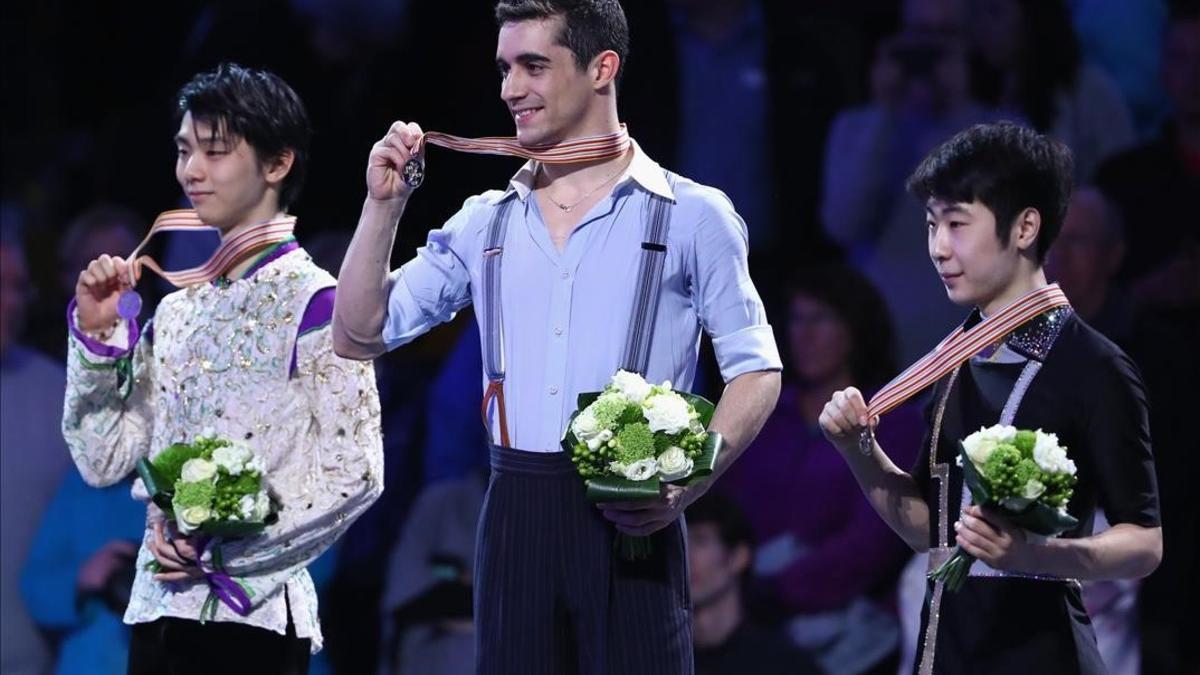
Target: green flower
x,y
1025,440
635,442
194,494
608,408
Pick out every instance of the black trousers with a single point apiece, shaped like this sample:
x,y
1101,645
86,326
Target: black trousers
x,y
171,646
551,595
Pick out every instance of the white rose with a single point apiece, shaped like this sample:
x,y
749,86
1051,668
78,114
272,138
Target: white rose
x,y
674,464
1069,467
246,506
1051,456
605,436
197,470
192,517
667,413
232,458
633,386
262,506
256,465
982,443
594,444
979,448
641,470
585,425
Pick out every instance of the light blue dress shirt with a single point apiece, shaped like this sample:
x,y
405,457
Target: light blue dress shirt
x,y
566,312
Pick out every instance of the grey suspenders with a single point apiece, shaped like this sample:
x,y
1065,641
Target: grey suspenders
x,y
491,326
636,357
636,354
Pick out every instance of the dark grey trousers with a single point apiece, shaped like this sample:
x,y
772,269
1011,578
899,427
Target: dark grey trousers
x,y
551,595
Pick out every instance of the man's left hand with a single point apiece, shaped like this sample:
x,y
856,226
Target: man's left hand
x,y
644,517
178,556
989,537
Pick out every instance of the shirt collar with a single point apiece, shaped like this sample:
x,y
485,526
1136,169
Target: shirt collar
x,y
642,170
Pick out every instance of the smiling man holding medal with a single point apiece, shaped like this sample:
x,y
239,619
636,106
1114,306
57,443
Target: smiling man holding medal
x,y
591,259
995,198
242,352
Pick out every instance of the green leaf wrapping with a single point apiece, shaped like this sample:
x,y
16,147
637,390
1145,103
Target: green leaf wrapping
x,y
232,529
616,489
160,489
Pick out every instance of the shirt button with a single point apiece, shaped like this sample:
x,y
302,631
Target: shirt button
x,y
564,275
553,391
558,331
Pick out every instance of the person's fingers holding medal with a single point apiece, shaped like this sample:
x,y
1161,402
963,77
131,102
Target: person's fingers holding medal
x,y
394,168
97,291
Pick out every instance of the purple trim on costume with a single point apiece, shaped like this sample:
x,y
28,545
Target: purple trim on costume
x,y
95,346
318,314
281,249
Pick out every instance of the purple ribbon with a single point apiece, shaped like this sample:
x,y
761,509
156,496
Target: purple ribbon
x,y
228,591
223,586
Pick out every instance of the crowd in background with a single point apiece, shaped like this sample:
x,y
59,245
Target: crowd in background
x,y
809,115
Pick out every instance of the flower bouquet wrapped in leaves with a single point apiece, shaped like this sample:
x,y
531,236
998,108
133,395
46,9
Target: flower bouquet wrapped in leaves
x,y
629,439
1025,475
216,490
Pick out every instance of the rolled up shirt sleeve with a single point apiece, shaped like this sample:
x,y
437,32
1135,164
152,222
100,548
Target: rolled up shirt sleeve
x,y
436,283
726,300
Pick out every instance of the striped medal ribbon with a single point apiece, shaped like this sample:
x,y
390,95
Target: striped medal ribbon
x,y
231,251
956,348
587,149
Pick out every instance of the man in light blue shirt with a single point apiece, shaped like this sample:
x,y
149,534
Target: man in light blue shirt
x,y
572,241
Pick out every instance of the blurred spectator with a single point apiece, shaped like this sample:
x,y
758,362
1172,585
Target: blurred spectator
x,y
1150,184
1125,40
1031,65
33,457
456,450
1112,608
737,94
1085,260
720,556
825,560
920,97
79,573
427,602
105,228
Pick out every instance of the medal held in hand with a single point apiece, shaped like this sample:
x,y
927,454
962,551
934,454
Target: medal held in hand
x,y
129,304
414,173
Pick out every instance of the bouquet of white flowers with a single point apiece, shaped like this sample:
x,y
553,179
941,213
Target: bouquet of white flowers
x,y
630,438
216,489
1026,475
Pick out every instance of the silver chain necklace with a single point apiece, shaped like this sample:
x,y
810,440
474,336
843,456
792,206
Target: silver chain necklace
x,y
568,207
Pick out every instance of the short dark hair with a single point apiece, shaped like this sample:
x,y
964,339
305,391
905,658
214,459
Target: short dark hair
x,y
257,106
857,302
589,26
733,527
1008,168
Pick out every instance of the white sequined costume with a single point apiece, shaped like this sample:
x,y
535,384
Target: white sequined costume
x,y
219,358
